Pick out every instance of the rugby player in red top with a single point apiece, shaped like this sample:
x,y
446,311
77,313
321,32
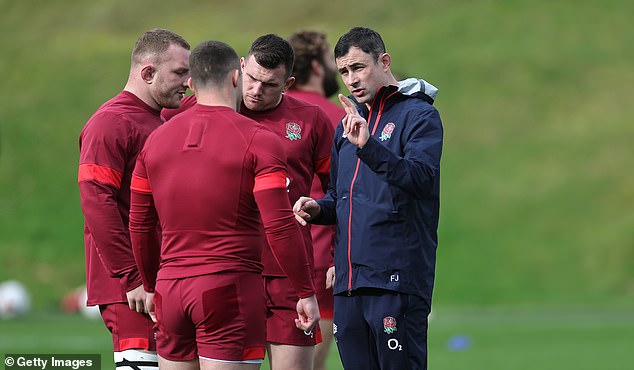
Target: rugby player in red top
x,y
315,75
203,175
109,144
306,134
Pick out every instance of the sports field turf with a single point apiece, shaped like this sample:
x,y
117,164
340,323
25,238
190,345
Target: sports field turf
x,y
493,339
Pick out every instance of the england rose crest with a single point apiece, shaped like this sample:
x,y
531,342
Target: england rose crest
x,y
389,324
387,131
293,131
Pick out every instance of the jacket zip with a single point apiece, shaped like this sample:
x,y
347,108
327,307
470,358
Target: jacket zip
x,y
354,178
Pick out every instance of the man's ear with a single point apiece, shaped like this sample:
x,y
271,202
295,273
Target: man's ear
x,y
289,82
190,83
386,61
147,73
316,68
235,77
242,63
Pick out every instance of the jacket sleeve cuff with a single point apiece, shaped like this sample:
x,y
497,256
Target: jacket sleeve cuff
x,y
130,280
306,294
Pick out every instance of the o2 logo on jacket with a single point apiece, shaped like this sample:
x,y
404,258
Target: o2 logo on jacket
x,y
293,131
387,131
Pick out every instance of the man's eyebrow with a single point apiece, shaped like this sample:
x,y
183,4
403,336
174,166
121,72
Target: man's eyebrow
x,y
353,65
263,81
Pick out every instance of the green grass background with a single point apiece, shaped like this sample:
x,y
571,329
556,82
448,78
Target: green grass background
x,y
537,209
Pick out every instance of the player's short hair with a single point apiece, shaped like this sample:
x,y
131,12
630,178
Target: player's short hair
x,y
211,61
308,46
156,42
363,38
270,51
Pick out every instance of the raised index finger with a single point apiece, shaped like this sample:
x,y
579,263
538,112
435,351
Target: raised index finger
x,y
347,104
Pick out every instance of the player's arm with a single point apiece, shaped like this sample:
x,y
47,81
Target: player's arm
x,y
146,245
103,152
270,193
418,170
282,232
287,243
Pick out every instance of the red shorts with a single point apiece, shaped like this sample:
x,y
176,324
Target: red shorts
x,y
217,316
281,312
130,329
325,298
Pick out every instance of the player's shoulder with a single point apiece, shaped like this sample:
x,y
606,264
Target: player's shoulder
x,y
307,111
122,109
106,121
293,103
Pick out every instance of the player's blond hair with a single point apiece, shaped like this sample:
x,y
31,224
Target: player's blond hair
x,y
155,42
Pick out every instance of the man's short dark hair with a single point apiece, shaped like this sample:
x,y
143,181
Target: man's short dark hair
x,y
363,38
270,51
211,61
155,42
308,46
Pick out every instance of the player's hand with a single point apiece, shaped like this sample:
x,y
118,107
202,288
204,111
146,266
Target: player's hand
x,y
355,127
136,299
307,313
149,305
306,209
330,277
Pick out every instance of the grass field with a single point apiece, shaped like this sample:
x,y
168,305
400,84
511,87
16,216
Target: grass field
x,y
494,339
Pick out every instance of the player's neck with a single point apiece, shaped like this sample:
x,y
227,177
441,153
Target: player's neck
x,y
143,95
313,85
216,98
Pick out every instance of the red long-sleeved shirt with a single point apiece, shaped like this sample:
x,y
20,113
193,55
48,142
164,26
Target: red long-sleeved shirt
x,y
204,175
109,144
322,235
306,134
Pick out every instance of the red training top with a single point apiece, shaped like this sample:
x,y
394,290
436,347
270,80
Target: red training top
x,y
323,236
306,135
109,144
204,174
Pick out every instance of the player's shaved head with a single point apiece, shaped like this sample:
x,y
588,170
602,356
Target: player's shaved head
x,y
211,62
271,51
155,42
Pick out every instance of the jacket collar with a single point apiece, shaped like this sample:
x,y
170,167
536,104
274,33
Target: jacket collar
x,y
411,87
381,95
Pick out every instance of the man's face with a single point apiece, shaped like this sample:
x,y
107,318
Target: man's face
x,y
330,84
362,74
262,88
170,80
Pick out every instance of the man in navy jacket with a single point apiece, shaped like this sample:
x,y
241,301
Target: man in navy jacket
x,y
384,199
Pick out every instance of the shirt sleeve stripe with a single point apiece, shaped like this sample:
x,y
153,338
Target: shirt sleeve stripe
x,y
140,185
95,172
323,166
269,181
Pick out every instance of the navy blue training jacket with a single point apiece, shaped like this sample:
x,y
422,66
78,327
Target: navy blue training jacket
x,y
384,198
